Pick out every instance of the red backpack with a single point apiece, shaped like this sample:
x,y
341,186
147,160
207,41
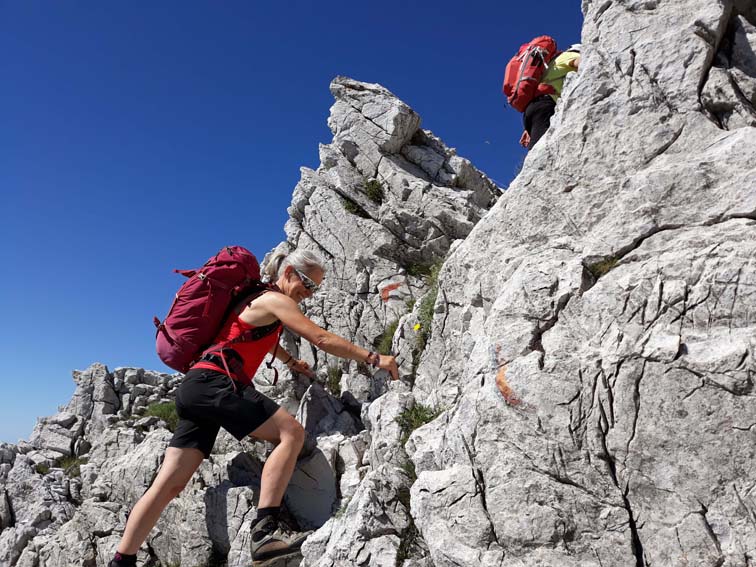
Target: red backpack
x,y
522,78
202,304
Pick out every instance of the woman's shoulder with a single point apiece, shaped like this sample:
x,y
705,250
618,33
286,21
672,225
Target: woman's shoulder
x,y
270,297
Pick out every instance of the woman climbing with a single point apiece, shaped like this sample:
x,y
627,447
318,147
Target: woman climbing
x,y
218,392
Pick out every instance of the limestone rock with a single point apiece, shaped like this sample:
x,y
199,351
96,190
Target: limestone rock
x,y
321,413
610,293
312,491
385,431
370,528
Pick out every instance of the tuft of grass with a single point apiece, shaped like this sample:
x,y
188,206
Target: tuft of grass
x,y
410,303
603,267
42,468
411,534
409,467
352,207
414,417
425,312
165,411
383,343
374,191
71,465
407,543
418,270
333,383
344,505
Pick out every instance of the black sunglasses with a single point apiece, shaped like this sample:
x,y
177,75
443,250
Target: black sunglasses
x,y
307,282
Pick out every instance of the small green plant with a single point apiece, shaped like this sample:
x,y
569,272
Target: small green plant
x,y
165,411
71,465
409,467
418,270
410,303
415,416
603,267
407,543
383,342
411,534
354,208
42,468
374,190
425,312
333,383
344,505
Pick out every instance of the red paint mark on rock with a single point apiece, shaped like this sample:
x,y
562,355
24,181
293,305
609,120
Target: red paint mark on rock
x,y
506,390
501,381
388,289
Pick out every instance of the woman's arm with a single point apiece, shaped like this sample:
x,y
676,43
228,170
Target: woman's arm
x,y
287,311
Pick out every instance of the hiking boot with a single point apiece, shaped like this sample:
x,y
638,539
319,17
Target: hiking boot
x,y
272,539
121,561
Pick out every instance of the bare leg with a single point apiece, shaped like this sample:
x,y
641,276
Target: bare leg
x,y
286,431
178,467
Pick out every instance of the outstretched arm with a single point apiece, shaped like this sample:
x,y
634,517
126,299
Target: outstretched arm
x,y
287,311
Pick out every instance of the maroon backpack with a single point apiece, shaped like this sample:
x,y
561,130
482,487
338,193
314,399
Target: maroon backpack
x,y
202,303
522,78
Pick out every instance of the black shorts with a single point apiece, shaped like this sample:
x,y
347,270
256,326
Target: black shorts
x,y
537,117
206,401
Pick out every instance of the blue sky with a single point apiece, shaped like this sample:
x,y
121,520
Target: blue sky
x,y
138,137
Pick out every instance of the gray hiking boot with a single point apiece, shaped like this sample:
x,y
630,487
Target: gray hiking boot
x,y
273,539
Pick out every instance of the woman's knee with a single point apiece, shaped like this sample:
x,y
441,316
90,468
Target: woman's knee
x,y
293,432
170,488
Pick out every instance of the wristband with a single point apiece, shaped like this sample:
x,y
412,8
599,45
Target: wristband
x,y
373,359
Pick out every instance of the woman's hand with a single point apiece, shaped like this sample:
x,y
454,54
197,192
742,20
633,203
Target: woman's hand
x,y
387,362
300,367
525,139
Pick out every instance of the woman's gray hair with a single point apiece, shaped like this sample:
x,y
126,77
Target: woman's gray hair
x,y
303,260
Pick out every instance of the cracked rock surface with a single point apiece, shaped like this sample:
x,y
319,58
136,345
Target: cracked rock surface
x,y
612,289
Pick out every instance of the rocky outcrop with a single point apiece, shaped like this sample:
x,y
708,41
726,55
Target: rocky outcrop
x,y
387,202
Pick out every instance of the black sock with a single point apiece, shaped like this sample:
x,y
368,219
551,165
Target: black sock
x,y
123,560
265,512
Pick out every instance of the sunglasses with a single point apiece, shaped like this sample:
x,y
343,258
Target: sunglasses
x,y
307,282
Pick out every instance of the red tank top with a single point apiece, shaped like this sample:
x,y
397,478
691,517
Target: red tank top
x,y
251,352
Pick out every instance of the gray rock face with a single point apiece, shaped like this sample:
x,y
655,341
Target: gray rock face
x,y
611,294
369,530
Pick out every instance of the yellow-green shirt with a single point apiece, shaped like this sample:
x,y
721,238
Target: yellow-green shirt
x,y
557,70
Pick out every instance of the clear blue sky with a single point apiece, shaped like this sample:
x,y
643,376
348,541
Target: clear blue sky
x,y
138,137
